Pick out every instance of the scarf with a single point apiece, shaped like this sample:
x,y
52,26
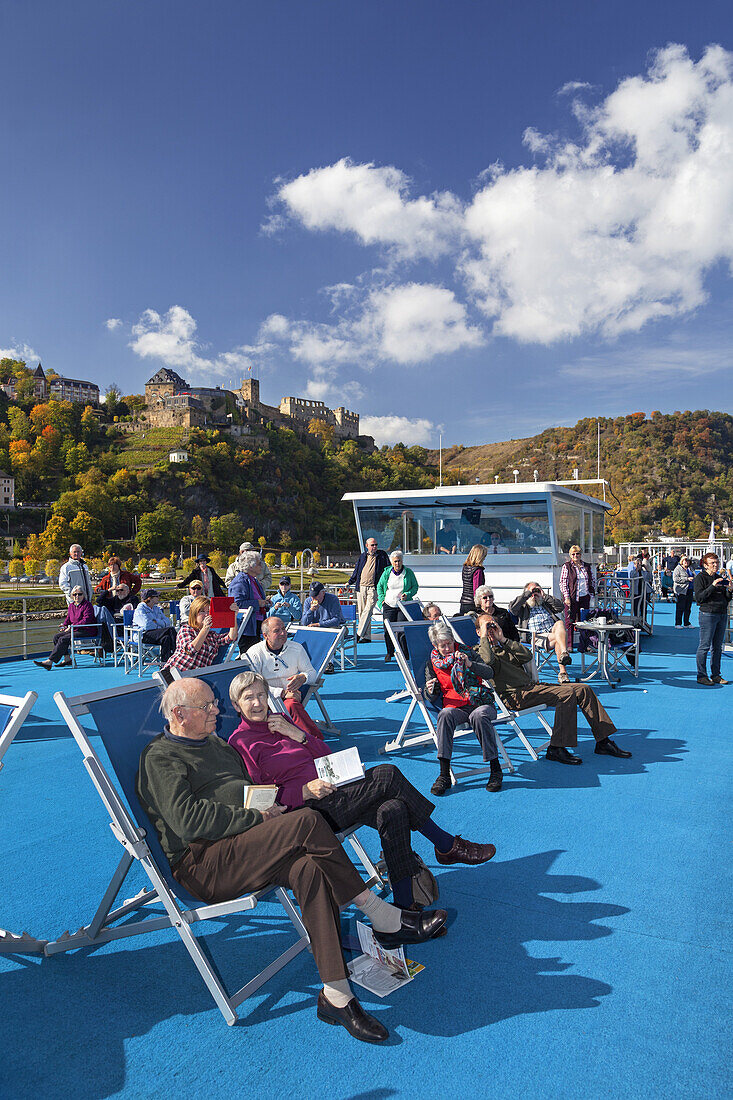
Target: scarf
x,y
464,679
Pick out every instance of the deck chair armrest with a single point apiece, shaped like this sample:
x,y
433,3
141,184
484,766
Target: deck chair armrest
x,y
138,849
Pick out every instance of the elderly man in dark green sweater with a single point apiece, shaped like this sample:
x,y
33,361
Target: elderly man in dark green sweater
x,y
517,690
191,786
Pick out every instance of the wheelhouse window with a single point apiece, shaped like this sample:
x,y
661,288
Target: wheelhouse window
x,y
507,528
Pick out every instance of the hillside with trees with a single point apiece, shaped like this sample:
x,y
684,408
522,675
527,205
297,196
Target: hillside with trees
x,y
670,472
110,485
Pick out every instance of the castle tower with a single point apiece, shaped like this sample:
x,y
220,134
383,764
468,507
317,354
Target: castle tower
x,y
250,390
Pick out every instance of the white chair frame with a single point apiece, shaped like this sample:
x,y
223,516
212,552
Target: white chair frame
x,y
11,942
312,691
176,917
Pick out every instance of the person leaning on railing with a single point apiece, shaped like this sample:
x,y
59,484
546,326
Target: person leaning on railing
x,y
190,784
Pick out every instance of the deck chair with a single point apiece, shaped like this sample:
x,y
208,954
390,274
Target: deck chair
x,y
127,718
230,650
464,630
541,655
320,643
411,609
412,668
219,677
137,654
13,713
93,643
351,638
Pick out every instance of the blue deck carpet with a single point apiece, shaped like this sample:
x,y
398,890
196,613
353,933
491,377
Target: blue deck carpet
x,y
590,958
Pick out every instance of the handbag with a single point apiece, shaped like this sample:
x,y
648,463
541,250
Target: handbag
x,y
424,885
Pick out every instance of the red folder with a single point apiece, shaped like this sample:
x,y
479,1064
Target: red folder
x,y
221,612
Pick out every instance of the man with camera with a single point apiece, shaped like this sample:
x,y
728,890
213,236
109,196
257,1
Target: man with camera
x,y
542,614
518,690
712,594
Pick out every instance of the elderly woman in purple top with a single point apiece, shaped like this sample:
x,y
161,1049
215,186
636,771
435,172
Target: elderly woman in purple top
x,y
276,751
80,612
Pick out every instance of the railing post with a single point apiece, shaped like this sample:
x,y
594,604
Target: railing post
x,y
25,630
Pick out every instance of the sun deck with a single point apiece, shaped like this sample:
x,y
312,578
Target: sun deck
x,y
591,957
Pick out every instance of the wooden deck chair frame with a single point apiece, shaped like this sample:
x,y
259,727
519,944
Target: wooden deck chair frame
x,y
338,633
11,942
178,915
374,876
402,741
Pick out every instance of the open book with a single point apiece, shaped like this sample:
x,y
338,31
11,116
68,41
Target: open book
x,y
340,767
259,797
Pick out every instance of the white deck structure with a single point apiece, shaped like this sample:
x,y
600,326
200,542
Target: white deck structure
x,y
527,528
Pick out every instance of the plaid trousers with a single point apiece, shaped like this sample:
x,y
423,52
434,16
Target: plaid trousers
x,y
386,801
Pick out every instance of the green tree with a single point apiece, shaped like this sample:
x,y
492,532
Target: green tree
x,y
155,529
218,560
225,530
271,560
16,568
53,568
286,559
112,397
88,531
20,425
198,529
188,565
286,539
262,542
164,565
143,566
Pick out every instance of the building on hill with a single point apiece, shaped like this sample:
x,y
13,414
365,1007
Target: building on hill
x,y
7,490
171,402
58,388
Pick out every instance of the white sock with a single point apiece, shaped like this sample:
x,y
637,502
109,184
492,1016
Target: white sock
x,y
338,993
384,917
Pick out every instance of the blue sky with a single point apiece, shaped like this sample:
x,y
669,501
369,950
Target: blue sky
x,y
456,216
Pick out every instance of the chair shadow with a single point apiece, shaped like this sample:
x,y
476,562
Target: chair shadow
x,y
503,981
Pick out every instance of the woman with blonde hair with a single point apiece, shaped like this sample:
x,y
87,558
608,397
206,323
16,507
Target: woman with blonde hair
x,y
197,643
472,577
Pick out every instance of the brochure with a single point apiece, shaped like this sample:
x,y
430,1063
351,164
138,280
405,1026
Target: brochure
x,y
259,797
379,970
340,767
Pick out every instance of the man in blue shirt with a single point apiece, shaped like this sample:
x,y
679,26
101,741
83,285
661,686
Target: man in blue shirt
x,y
286,604
322,607
150,620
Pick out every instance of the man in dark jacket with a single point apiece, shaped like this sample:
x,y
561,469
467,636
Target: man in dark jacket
x,y
712,594
517,690
367,571
541,614
210,579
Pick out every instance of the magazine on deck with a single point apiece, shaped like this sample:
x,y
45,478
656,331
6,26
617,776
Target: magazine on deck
x,y
379,970
340,767
259,797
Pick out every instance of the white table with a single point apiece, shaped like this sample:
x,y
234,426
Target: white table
x,y
607,658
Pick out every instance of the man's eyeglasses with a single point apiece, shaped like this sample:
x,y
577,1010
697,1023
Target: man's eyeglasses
x,y
206,706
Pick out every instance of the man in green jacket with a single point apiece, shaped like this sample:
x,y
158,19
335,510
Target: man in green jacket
x,y
517,690
191,785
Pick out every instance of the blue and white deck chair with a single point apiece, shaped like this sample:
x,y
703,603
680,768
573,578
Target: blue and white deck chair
x,y
92,641
13,713
351,638
229,651
464,630
127,718
219,678
138,654
320,643
411,609
412,668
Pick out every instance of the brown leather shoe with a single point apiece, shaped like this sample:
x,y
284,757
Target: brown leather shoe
x,y
466,851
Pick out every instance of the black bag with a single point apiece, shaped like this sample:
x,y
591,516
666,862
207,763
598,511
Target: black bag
x,y
424,885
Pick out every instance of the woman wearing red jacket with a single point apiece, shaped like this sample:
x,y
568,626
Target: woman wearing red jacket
x,y
117,587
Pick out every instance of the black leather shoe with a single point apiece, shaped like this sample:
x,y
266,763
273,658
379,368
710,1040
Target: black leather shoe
x,y
353,1017
442,931
560,755
441,785
495,781
415,928
610,748
364,641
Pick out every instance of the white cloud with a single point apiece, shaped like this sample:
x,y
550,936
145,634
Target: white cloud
x,y
19,351
407,324
603,234
373,204
621,228
171,338
398,429
113,323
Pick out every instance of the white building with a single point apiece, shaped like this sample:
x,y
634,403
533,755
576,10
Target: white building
x,y
7,490
178,456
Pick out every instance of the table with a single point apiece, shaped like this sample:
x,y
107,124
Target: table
x,y
608,656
